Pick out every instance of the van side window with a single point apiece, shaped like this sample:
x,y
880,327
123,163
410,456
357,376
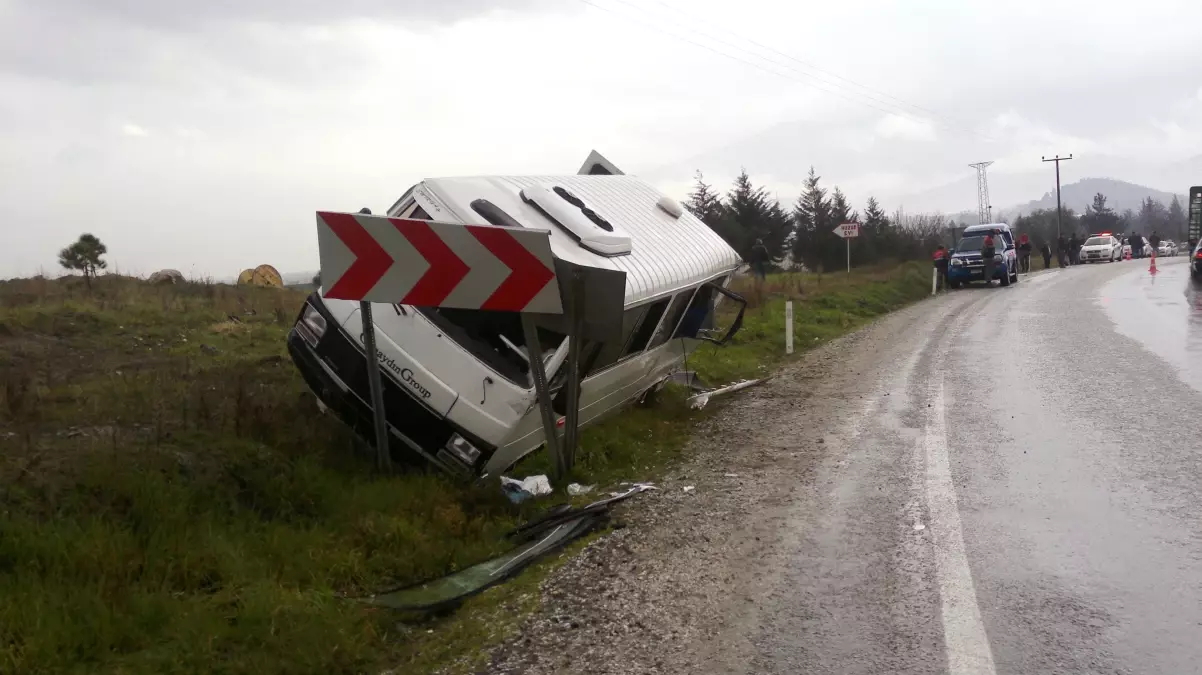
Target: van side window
x,y
416,212
650,321
699,315
671,318
607,353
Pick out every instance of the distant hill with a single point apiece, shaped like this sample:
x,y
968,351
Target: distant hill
x,y
1120,195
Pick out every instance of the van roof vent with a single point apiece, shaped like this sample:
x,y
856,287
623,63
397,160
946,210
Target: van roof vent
x,y
592,230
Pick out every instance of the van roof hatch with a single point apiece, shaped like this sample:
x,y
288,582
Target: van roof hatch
x,y
588,227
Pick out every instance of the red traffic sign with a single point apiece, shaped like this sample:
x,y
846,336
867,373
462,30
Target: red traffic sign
x,y
848,230
433,264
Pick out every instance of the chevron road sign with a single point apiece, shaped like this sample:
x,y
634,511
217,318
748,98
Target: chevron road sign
x,y
428,263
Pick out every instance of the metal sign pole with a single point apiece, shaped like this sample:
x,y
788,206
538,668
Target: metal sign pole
x,y
383,459
542,391
848,242
572,421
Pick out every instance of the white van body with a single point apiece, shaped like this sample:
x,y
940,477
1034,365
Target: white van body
x,y
456,385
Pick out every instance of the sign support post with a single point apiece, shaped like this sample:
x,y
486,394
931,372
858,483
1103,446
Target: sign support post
x,y
847,231
541,389
571,433
383,458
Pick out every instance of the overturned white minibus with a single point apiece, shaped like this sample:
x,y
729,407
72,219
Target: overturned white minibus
x,y
456,383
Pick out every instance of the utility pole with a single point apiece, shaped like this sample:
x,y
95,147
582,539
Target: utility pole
x,y
983,214
1058,159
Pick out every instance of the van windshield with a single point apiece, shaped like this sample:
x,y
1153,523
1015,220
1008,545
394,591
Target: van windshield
x,y
973,243
496,338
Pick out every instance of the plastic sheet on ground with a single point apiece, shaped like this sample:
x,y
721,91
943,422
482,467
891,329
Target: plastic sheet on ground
x,y
545,534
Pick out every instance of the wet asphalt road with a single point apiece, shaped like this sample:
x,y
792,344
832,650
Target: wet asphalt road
x,y
1001,480
1022,493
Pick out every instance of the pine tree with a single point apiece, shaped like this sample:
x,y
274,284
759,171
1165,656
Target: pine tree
x,y
84,255
1153,217
1099,217
749,215
704,202
841,211
812,216
1178,225
875,232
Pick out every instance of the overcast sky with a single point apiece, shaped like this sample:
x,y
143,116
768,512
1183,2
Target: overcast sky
x,y
202,136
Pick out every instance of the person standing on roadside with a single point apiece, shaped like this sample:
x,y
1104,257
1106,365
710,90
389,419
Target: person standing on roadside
x,y
1153,243
1137,245
1046,250
940,260
987,253
1061,251
759,260
1074,248
1024,253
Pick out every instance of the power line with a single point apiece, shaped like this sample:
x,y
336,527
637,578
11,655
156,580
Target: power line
x,y
894,109
730,56
804,63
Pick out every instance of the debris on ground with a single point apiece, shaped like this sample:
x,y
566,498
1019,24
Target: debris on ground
x,y
700,400
519,491
547,533
576,489
689,488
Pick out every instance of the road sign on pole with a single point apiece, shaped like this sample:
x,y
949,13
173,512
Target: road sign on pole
x,y
847,231
433,264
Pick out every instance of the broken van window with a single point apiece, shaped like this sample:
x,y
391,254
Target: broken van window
x,y
671,318
496,338
650,321
699,315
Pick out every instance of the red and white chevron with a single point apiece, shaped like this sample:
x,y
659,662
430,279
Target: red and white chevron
x,y
433,264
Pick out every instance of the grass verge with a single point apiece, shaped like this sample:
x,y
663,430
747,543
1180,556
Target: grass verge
x,y
170,501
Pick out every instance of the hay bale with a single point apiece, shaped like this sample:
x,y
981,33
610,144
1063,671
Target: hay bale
x,y
166,277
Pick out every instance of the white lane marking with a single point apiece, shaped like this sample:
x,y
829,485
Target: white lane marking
x,y
968,651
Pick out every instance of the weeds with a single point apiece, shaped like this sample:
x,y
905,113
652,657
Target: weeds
x,y
171,501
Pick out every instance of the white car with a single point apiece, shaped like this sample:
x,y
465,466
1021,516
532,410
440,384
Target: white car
x,y
1101,247
1166,248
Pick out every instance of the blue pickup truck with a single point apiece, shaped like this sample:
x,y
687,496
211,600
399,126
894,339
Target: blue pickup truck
x,y
966,265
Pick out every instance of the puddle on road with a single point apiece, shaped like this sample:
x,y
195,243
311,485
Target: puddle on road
x,y
1163,312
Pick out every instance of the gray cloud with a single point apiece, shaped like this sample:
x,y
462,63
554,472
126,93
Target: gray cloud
x,y
186,16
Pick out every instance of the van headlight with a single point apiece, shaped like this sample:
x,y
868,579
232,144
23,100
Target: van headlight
x,y
956,262
997,258
312,325
461,448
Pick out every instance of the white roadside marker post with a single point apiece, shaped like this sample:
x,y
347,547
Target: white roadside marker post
x,y
788,326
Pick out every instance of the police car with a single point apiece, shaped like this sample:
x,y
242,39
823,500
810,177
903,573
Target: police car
x,y
1101,247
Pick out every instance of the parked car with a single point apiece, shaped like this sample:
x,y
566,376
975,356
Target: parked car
x,y
1166,249
1101,247
1195,262
966,265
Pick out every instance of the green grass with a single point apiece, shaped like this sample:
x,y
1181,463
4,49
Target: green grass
x,y
171,502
